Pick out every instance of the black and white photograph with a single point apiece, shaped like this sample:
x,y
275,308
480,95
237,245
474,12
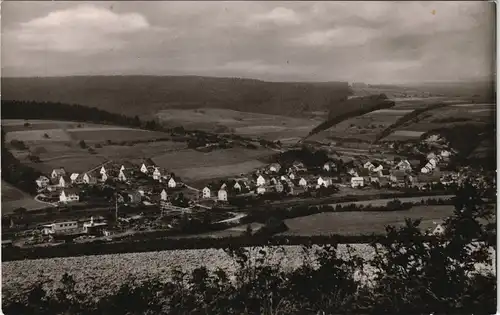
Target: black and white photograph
x,y
248,157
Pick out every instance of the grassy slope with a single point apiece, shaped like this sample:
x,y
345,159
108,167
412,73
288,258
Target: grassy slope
x,y
146,95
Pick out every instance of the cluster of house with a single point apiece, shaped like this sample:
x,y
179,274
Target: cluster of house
x,y
68,186
92,227
270,179
434,160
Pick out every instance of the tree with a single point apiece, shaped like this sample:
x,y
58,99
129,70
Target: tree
x,y
82,144
27,124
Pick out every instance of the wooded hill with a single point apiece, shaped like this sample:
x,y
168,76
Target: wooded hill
x,y
146,95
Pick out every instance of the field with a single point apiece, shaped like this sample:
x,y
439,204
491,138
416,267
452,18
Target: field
x,y
103,274
271,127
351,223
13,198
195,164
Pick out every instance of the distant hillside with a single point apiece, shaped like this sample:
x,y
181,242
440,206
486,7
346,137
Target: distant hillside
x,y
146,95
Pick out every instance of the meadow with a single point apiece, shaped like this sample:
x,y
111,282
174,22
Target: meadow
x,y
13,198
351,223
219,162
270,127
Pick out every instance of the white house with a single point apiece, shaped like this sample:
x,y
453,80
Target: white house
x,y
352,172
237,186
433,162
438,230
223,186
222,195
321,182
57,172
104,177
404,165
261,181
60,227
206,192
103,170
121,176
302,182
261,190
329,166
42,181
369,165
431,155
122,168
445,154
357,182
73,177
63,182
156,174
144,168
87,179
278,187
378,168
172,183
283,177
425,170
68,195
275,167
291,175
163,195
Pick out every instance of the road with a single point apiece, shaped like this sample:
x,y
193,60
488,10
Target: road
x,y
235,218
44,202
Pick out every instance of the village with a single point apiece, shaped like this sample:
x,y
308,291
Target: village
x,y
145,197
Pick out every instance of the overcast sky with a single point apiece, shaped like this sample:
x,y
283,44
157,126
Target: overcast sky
x,y
375,42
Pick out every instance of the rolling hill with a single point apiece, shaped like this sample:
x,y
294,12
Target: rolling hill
x,y
146,95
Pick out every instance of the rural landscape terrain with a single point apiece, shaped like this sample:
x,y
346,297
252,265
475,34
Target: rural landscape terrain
x,y
289,182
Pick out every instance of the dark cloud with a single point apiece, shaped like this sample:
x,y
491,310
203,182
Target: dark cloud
x,y
311,41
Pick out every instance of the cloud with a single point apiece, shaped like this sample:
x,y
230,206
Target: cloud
x,y
83,29
279,16
345,36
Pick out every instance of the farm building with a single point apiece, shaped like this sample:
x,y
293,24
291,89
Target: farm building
x,y
273,181
321,182
122,168
302,182
60,227
57,172
172,183
222,195
69,195
223,186
164,195
42,181
438,230
206,192
291,175
144,168
284,177
261,190
274,168
261,181
357,182
378,168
